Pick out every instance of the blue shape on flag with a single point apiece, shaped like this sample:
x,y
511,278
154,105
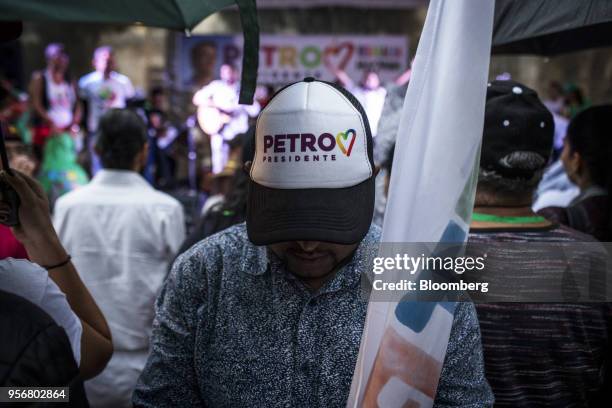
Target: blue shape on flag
x,y
416,315
453,233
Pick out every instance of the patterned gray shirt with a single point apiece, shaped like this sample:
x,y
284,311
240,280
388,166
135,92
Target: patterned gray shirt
x,y
234,329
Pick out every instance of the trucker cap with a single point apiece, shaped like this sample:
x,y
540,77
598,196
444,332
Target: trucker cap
x,y
312,177
516,122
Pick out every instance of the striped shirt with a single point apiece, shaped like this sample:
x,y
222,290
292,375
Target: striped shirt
x,y
544,354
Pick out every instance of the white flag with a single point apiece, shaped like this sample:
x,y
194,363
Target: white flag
x,y
430,198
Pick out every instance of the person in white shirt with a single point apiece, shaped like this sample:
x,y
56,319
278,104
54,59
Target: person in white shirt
x,y
103,89
221,116
122,235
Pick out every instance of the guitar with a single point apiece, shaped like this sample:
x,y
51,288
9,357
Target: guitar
x,y
212,119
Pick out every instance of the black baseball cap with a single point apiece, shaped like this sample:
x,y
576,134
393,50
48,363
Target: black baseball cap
x,y
312,177
516,121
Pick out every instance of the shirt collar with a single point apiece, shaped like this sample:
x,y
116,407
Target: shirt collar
x,y
100,75
108,177
254,259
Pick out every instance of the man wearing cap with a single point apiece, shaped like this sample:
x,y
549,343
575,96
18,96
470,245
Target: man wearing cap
x,y
537,354
271,313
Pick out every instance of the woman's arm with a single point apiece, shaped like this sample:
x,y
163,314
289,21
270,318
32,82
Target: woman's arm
x,y
340,75
404,77
36,233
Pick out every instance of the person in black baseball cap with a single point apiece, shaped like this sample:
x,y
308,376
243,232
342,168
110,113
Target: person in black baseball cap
x,y
516,146
271,313
523,340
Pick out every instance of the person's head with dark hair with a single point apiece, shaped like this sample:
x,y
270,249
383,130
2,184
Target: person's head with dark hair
x,y
588,148
53,50
56,56
157,98
203,59
370,79
229,73
574,95
156,90
156,111
156,119
122,140
203,54
104,59
555,90
516,146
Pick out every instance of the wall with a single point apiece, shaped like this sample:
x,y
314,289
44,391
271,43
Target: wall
x,y
590,69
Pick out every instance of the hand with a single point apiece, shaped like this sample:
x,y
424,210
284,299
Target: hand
x,y
35,230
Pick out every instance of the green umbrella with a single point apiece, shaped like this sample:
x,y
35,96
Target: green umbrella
x,y
551,27
172,14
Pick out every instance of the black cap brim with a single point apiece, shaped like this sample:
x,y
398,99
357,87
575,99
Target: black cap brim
x,y
337,215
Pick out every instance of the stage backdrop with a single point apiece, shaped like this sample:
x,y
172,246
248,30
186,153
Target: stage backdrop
x,y
286,58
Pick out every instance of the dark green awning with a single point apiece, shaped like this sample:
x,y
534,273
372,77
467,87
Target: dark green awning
x,y
551,27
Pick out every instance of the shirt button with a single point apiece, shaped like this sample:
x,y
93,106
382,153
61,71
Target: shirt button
x,y
305,367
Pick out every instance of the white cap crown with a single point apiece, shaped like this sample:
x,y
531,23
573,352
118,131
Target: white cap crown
x,y
311,135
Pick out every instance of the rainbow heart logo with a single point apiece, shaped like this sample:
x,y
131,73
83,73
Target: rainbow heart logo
x,y
345,135
338,56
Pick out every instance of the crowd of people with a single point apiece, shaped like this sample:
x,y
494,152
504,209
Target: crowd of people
x,y
260,303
